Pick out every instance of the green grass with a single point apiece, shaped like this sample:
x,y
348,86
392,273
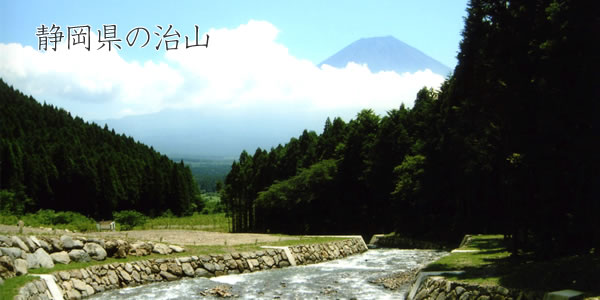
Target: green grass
x,y
213,222
492,264
11,286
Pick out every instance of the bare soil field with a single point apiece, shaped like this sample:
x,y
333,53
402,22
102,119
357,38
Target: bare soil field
x,y
169,236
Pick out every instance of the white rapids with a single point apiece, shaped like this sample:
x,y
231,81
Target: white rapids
x,y
347,278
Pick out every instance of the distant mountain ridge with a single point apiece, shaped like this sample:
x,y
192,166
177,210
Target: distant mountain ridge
x,y
386,54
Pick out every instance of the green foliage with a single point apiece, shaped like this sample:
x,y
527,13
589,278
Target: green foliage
x,y
212,204
50,218
128,219
52,160
508,144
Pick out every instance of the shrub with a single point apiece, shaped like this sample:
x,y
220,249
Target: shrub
x,y
127,219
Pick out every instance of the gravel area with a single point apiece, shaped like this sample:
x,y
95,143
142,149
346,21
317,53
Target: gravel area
x,y
171,236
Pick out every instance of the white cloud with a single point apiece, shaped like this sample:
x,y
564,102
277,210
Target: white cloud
x,y
243,69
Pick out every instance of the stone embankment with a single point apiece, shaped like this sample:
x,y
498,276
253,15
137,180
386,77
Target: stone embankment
x,y
76,284
439,288
18,254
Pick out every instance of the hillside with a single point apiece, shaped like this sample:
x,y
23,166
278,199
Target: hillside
x,y
52,160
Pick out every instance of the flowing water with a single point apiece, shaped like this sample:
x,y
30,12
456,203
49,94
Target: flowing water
x,y
340,279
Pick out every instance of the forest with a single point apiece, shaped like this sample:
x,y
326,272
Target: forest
x,y
507,145
51,160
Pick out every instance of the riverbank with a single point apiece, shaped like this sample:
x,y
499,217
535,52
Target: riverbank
x,y
485,262
84,282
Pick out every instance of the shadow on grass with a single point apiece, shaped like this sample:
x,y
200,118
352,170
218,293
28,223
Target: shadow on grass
x,y
494,265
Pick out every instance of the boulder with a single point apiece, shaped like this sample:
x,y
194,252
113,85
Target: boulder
x,y
57,244
78,255
111,247
161,249
61,257
140,249
13,252
200,272
20,266
5,241
97,241
44,258
42,244
32,261
67,242
95,251
187,269
78,284
19,243
29,242
176,249
77,244
7,267
117,248
168,276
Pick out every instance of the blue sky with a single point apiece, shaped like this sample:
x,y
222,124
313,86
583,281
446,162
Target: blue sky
x,y
311,30
262,55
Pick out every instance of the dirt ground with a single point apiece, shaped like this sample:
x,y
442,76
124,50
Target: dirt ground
x,y
169,236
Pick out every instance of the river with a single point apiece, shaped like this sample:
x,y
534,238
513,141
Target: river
x,y
347,278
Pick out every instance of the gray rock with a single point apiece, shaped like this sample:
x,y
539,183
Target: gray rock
x,y
32,261
168,276
20,266
19,243
78,284
57,244
64,275
140,249
161,249
61,257
44,258
176,249
284,264
97,241
79,255
465,296
125,275
187,269
5,241
112,277
200,272
77,244
95,251
459,290
73,294
7,267
210,267
13,252
42,244
268,261
32,246
67,242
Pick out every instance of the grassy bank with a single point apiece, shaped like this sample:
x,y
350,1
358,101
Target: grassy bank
x,y
207,222
492,264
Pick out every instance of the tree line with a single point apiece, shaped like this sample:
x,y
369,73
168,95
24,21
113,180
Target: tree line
x,y
508,144
51,160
